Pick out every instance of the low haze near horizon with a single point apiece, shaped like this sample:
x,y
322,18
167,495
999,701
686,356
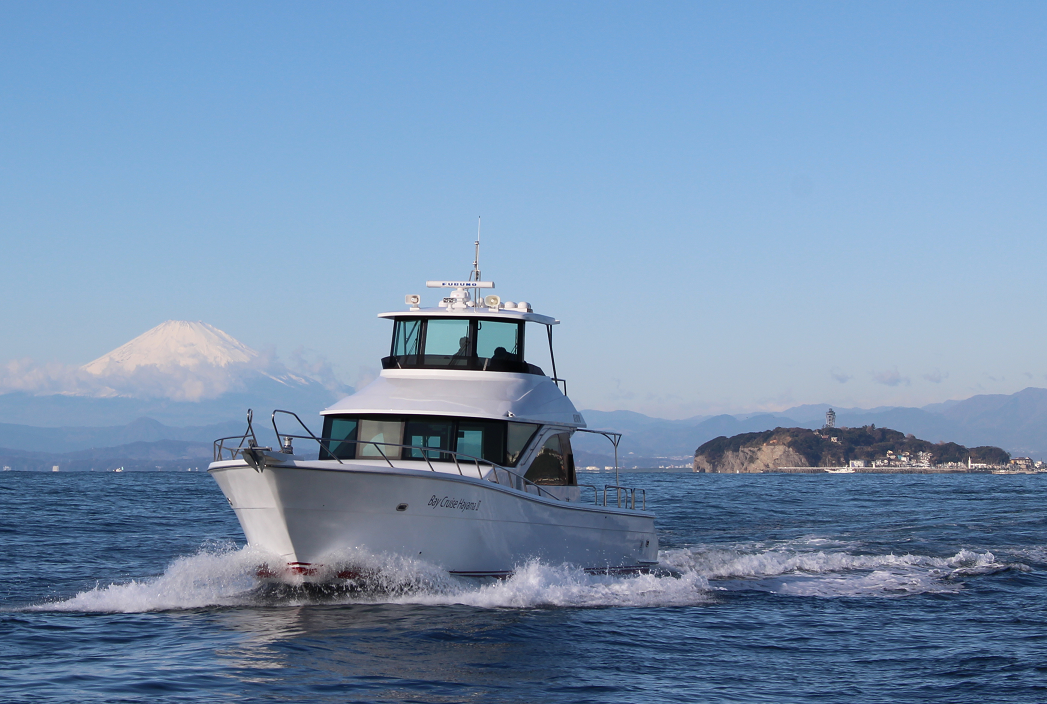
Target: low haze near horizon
x,y
731,208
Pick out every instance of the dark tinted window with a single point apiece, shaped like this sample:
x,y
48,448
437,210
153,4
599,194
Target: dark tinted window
x,y
548,466
428,432
355,437
519,437
339,429
568,456
482,438
554,464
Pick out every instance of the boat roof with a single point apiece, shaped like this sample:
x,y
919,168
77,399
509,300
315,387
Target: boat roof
x,y
526,398
472,312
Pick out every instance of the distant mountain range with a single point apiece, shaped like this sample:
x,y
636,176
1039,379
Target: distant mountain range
x,y
1015,422
143,444
169,392
25,438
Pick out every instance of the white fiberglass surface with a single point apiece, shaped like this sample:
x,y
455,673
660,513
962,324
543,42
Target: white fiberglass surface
x,y
528,397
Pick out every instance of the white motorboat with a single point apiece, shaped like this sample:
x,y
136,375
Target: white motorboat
x,y
458,455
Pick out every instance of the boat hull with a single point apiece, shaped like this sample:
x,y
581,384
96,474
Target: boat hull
x,y
311,516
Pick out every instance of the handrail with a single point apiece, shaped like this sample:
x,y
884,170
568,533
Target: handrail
x,y
596,492
514,479
219,444
304,427
615,438
630,493
423,450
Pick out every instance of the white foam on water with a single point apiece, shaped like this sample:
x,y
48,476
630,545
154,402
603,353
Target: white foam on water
x,y
226,576
1036,553
536,584
801,571
211,577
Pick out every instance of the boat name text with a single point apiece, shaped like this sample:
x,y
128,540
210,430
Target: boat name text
x,y
448,502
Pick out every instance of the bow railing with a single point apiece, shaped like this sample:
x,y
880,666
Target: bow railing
x,y
466,464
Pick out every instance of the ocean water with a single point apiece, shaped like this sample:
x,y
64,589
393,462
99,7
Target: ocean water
x,y
136,587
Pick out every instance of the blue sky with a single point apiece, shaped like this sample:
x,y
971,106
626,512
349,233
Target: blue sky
x,y
730,207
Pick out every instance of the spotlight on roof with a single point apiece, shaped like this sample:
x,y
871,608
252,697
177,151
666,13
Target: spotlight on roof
x,y
413,299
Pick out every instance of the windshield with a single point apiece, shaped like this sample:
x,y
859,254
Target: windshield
x,y
459,343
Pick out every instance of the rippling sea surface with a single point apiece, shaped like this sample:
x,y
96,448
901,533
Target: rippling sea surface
x,y
137,587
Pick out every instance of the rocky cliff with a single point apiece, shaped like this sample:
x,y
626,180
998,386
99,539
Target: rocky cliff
x,y
751,459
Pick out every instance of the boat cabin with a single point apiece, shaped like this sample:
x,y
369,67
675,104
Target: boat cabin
x,y
464,332
489,340
521,421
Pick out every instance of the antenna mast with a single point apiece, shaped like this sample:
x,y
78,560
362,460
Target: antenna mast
x,y
475,275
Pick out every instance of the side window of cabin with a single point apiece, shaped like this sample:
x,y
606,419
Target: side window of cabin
x,y
568,455
434,433
549,466
482,439
406,336
339,434
378,438
498,341
520,435
434,437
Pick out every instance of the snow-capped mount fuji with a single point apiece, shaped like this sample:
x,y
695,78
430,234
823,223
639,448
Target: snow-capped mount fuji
x,y
189,361
178,374
175,343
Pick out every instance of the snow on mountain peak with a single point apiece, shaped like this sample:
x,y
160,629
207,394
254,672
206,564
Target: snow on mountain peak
x,y
180,361
175,343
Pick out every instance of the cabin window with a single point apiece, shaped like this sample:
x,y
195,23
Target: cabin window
x,y
554,464
427,432
568,455
379,438
342,436
484,439
459,343
448,342
406,337
428,437
520,435
497,341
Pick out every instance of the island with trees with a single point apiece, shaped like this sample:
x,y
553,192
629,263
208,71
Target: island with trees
x,y
865,449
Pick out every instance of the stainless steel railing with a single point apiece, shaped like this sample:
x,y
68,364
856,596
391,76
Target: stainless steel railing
x,y
224,451
630,494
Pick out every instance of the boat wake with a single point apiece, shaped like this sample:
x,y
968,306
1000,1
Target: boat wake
x,y
805,568
229,577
